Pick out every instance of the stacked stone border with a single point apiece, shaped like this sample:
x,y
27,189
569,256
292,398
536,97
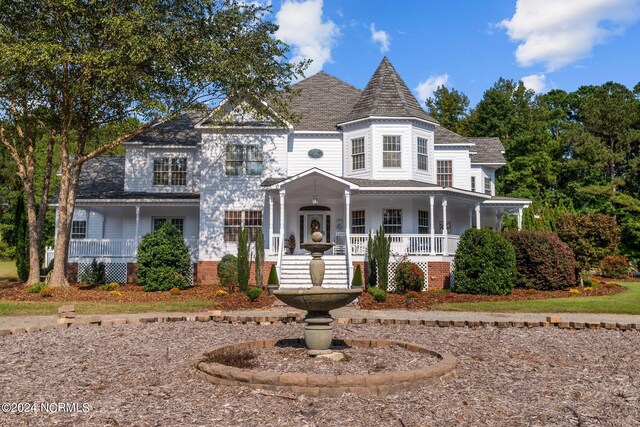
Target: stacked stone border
x,y
67,319
321,385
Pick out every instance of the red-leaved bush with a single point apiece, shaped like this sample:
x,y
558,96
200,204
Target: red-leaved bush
x,y
408,277
543,261
615,266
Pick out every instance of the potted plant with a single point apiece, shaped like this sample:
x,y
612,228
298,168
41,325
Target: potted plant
x,y
272,282
292,244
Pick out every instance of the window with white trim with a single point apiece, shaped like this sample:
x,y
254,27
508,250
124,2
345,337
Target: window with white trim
x,y
423,222
487,186
170,171
357,222
79,229
357,154
473,183
177,222
444,173
243,160
235,220
423,156
391,151
392,221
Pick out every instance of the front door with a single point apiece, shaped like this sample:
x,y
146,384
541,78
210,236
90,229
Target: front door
x,y
317,220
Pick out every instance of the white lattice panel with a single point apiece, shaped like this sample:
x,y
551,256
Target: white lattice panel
x,y
424,266
116,271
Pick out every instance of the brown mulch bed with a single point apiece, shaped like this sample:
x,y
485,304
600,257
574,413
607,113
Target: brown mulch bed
x,y
16,291
142,375
428,299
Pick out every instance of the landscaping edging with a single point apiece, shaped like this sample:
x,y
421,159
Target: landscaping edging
x,y
326,385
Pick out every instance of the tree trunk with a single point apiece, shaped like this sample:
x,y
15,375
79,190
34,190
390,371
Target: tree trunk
x,y
35,234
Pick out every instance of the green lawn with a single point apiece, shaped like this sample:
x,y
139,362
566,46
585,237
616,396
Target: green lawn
x,y
7,270
624,303
15,308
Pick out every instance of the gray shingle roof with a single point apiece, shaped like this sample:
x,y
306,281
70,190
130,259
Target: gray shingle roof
x,y
488,150
445,136
103,178
179,131
386,95
391,183
323,102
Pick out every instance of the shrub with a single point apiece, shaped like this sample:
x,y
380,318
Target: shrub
x,y
273,276
543,261
412,294
259,264
244,264
46,292
356,282
378,251
253,294
115,293
36,288
615,266
221,293
485,263
174,292
95,274
589,283
109,287
574,291
379,295
163,260
228,271
408,277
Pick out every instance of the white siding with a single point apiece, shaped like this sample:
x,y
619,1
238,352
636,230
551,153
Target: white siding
x,y
461,164
379,130
429,174
298,159
139,169
353,132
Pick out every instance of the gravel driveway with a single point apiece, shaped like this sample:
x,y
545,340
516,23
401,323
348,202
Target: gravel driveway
x,y
140,375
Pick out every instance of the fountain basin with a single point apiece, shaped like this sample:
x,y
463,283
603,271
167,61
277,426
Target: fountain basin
x,y
317,299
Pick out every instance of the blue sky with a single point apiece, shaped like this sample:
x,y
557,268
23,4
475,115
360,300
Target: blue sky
x,y
468,44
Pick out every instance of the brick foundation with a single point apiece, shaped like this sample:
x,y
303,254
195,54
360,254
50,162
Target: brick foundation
x,y
132,268
439,275
72,272
207,273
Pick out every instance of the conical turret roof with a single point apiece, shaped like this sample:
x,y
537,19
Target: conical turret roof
x,y
387,95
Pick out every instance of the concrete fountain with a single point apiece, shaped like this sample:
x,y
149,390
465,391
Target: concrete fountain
x,y
317,301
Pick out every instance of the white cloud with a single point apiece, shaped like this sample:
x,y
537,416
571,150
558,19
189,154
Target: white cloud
x,y
302,27
556,33
536,82
426,88
381,37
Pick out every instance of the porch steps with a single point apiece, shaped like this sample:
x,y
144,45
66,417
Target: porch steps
x,y
295,271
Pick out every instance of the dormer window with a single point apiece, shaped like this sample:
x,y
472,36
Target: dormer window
x,y
243,160
357,154
487,186
423,158
170,171
391,151
444,173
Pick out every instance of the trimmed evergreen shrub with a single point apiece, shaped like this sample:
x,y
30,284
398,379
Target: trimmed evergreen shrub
x,y
163,260
259,264
408,277
96,274
543,261
378,252
253,294
356,282
244,266
228,271
615,266
372,268
273,276
485,263
379,295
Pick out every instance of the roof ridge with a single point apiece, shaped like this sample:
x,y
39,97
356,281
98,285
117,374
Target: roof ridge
x,y
322,72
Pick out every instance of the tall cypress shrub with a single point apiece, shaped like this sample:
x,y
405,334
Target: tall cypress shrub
x,y
372,268
382,247
243,259
259,265
22,240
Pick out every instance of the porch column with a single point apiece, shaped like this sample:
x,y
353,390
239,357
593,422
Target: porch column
x,y
347,233
281,243
478,216
445,243
519,219
470,217
432,221
272,224
137,239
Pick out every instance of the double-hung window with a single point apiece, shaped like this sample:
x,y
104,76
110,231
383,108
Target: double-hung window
x,y
357,222
423,222
176,222
357,154
391,151
235,220
473,183
79,229
487,186
243,160
392,221
444,173
170,171
423,157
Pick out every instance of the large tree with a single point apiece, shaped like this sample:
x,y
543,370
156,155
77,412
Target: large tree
x,y
450,108
70,67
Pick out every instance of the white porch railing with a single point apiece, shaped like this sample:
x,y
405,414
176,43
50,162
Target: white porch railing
x,y
409,244
274,244
115,248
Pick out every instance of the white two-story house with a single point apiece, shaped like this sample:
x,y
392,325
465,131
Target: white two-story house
x,y
354,161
